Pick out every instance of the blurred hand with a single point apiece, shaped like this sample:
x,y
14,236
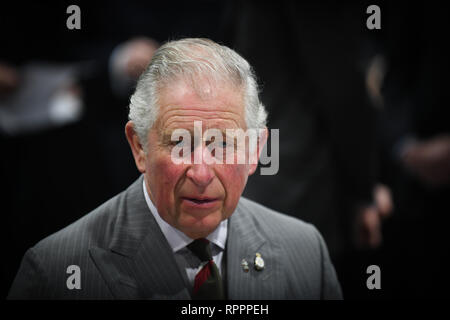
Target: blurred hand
x,y
369,218
383,200
429,160
9,79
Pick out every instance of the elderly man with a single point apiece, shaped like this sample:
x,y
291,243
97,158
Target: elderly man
x,y
182,230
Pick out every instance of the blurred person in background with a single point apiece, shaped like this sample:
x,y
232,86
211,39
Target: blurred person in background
x,y
317,54
414,136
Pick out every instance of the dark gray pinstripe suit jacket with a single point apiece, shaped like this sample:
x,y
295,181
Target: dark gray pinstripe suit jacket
x,y
122,254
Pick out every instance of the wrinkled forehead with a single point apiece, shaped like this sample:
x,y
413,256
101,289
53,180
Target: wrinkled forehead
x,y
216,104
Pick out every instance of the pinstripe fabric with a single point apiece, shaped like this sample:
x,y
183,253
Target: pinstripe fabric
x,y
297,264
123,254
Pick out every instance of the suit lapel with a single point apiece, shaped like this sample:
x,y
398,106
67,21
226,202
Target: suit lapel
x,y
244,241
139,263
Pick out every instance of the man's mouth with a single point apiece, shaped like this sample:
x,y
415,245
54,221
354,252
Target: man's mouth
x,y
200,202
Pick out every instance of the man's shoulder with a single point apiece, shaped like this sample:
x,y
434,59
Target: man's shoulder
x,y
97,227
298,246
277,224
94,228
48,261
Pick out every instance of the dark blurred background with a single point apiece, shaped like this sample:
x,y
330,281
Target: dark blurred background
x,y
363,118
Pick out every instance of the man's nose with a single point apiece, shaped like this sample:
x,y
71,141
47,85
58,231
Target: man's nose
x,y
200,172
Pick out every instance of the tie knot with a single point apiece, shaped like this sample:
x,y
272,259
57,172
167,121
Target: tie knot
x,y
201,248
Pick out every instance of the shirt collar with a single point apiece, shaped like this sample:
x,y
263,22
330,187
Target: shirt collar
x,y
177,239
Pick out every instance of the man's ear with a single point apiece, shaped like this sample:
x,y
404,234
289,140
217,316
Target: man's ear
x,y
136,147
262,140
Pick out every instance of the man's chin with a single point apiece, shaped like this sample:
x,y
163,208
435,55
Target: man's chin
x,y
197,227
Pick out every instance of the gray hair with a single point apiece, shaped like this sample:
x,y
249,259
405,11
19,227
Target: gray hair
x,y
188,59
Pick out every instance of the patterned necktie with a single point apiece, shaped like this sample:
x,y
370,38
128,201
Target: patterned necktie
x,y
208,283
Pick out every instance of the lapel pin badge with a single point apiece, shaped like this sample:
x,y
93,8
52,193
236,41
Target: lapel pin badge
x,y
244,265
259,262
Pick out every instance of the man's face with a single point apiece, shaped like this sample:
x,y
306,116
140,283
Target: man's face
x,y
196,197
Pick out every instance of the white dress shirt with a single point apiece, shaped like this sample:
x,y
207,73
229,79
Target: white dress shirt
x,y
178,241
